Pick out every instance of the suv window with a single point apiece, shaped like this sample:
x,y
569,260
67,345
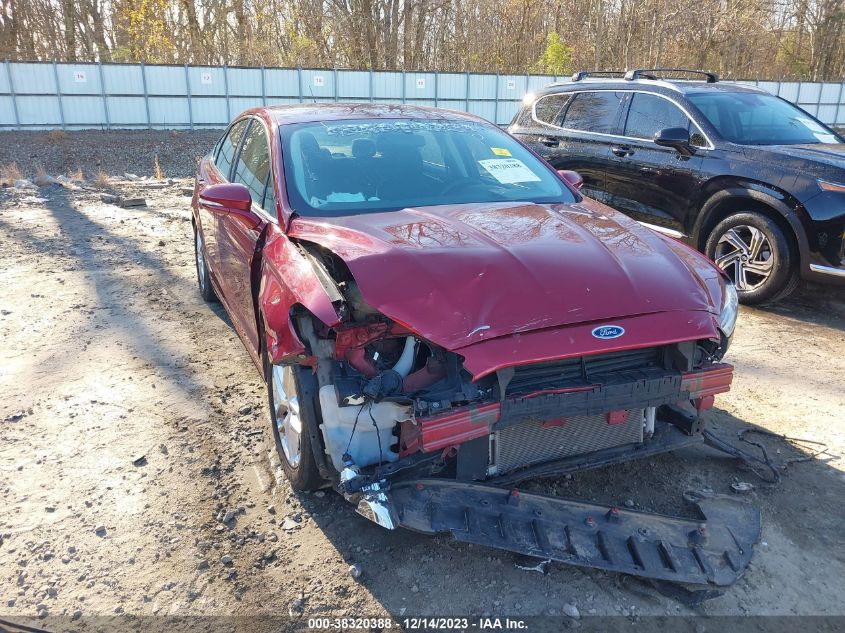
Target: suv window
x,y
228,147
253,168
649,114
760,119
594,111
549,109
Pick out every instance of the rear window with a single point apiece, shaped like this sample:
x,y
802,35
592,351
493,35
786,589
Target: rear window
x,y
345,167
594,111
549,109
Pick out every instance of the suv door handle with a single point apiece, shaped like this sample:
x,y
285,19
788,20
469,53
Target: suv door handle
x,y
549,141
621,150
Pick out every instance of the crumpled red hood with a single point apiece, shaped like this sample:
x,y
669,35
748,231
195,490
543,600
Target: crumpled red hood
x,y
462,274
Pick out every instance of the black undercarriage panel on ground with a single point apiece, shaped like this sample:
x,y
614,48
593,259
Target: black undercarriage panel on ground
x,y
712,551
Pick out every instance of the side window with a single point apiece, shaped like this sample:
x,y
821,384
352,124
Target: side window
x,y
228,147
550,108
650,114
253,168
594,111
270,197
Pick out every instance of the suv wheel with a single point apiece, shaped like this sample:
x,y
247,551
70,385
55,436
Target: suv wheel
x,y
290,426
755,253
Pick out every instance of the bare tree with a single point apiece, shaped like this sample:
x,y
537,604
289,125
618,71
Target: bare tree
x,y
801,39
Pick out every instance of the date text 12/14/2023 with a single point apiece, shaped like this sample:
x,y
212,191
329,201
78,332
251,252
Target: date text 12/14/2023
x,y
425,623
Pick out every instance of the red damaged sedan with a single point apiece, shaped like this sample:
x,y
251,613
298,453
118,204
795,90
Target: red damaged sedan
x,y
439,315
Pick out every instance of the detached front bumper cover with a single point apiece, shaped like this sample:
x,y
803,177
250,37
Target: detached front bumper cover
x,y
712,551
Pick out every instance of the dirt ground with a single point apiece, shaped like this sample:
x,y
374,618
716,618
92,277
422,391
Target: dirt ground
x,y
92,151
131,423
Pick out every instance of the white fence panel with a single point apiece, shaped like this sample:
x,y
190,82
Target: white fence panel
x,y
123,79
387,86
77,96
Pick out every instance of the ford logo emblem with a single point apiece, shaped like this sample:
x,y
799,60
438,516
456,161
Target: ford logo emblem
x,y
606,332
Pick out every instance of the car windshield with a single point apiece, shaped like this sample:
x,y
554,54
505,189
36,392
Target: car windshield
x,y
748,118
344,167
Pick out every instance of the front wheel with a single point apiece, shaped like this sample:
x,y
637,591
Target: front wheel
x,y
754,252
290,426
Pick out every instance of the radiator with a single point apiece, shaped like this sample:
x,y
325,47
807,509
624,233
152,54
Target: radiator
x,y
532,442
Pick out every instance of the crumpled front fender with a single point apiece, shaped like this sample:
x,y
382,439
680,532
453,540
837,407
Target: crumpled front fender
x,y
280,294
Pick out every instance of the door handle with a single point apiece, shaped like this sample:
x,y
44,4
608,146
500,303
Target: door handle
x,y
621,150
549,141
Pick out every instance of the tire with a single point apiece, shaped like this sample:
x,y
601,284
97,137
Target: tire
x,y
753,250
203,277
295,453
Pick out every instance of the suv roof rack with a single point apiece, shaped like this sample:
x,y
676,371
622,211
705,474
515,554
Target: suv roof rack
x,y
648,73
583,74
643,73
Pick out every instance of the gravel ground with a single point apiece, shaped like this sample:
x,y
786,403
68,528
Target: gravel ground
x,y
136,480
94,150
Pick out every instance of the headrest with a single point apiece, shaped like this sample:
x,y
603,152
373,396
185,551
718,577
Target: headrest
x,y
363,148
308,143
399,140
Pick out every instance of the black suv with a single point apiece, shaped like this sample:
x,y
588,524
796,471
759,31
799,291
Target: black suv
x,y
751,180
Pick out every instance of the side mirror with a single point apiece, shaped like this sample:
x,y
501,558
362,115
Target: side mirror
x,y
229,196
572,177
675,137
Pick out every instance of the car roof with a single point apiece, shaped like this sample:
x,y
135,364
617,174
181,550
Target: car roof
x,y
312,112
677,86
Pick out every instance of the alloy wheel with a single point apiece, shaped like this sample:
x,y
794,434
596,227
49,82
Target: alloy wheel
x,y
287,417
746,255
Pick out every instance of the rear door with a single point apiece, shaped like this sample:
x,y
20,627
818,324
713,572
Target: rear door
x,y
585,128
651,183
239,237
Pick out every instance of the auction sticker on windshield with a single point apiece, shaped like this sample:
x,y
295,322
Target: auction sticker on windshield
x,y
509,171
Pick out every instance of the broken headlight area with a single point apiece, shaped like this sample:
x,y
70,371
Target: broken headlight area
x,y
384,379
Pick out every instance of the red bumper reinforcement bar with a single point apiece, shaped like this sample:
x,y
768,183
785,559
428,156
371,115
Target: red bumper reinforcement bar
x,y
708,382
468,423
458,426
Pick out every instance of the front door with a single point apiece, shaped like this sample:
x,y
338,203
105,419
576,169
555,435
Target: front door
x,y
209,216
239,235
651,183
